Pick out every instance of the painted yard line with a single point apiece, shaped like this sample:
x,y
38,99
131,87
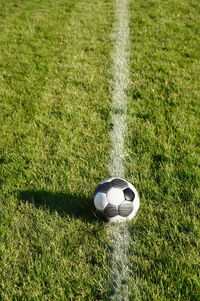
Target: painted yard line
x,y
120,85
118,233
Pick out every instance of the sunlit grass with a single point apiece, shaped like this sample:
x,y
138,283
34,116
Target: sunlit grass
x,y
55,95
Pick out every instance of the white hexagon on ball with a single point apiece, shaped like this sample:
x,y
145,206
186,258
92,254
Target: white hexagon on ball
x,y
115,196
100,201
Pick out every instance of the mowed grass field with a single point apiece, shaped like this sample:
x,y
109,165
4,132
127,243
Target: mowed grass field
x,y
55,125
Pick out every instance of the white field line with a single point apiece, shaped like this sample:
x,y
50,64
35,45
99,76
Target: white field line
x,y
118,233
120,85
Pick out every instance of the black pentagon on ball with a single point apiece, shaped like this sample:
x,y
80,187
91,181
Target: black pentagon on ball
x,y
111,210
119,183
129,194
103,187
125,209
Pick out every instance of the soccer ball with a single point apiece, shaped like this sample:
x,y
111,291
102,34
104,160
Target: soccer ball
x,y
115,200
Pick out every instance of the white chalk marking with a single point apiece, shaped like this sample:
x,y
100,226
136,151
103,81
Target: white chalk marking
x,y
118,233
120,85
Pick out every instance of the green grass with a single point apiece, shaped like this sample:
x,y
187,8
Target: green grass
x,y
55,99
54,135
164,149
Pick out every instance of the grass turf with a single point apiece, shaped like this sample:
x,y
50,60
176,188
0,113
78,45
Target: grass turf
x,y
55,64
54,135
163,145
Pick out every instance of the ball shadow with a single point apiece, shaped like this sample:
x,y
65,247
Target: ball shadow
x,y
65,204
